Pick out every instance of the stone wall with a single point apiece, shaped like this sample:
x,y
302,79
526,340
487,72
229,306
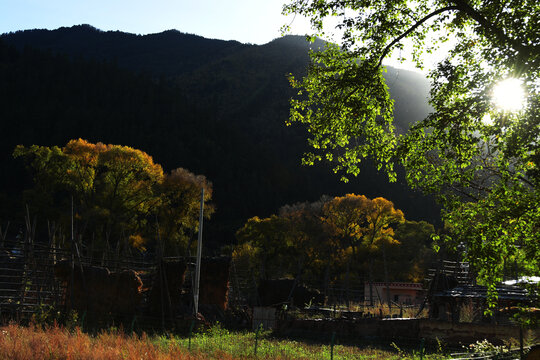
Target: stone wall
x,y
453,334
466,333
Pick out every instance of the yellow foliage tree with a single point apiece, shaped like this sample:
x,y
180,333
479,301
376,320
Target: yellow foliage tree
x,y
117,190
363,225
180,205
313,238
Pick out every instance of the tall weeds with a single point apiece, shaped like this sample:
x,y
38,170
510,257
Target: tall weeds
x,y
55,343
34,343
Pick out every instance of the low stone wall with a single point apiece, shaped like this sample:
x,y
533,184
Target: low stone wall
x,y
466,333
350,329
454,334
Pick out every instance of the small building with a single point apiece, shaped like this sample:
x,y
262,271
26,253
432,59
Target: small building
x,y
400,292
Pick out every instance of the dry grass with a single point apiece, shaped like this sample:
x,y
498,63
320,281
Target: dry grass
x,y
467,312
36,343
384,311
25,343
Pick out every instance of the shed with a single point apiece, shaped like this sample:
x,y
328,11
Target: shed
x,y
400,292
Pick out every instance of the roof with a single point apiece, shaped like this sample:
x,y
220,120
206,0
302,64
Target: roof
x,y
505,292
523,280
397,285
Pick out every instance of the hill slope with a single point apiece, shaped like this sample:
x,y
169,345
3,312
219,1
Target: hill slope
x,y
215,107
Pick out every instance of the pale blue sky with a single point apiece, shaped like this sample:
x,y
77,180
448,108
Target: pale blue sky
x,y
248,21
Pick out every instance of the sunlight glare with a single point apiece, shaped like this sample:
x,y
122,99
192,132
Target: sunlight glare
x,y
508,95
487,120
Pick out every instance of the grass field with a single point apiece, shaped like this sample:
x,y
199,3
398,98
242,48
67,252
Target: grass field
x,y
25,343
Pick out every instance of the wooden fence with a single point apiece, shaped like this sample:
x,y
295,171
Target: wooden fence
x,y
28,285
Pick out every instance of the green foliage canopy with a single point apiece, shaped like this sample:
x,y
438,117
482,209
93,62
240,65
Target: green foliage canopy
x,y
485,173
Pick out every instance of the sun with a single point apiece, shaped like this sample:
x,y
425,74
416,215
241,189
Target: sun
x,y
509,95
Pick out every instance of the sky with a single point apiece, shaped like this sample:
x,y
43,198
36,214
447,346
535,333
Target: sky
x,y
247,21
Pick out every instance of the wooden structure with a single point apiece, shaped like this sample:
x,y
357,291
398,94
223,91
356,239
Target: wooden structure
x,y
449,304
114,287
399,292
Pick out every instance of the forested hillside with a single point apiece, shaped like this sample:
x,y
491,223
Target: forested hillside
x,y
215,107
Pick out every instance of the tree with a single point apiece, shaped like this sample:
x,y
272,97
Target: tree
x,y
296,242
327,239
112,186
117,191
410,260
481,161
319,250
269,244
348,217
180,205
365,224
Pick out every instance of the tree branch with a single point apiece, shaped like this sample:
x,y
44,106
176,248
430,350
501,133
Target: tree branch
x,y
462,5
463,192
414,27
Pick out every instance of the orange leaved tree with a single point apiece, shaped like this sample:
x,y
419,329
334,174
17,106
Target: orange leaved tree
x,y
116,191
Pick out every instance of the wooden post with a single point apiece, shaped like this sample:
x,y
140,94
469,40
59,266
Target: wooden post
x,y
332,345
72,261
3,234
190,333
371,281
236,284
198,263
388,299
75,247
257,339
160,270
521,353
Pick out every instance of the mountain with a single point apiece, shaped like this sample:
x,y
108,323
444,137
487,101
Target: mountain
x,y
215,107
167,53
210,66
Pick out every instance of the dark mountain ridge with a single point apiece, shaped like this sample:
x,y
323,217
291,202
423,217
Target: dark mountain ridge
x,y
211,67
164,54
214,107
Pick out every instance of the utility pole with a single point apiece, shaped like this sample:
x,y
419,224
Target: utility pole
x,y
198,263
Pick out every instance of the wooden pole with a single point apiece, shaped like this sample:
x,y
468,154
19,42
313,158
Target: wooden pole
x,y
198,263
72,262
160,274
388,299
332,345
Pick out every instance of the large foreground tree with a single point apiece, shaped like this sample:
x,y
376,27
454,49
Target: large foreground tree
x,y
479,156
